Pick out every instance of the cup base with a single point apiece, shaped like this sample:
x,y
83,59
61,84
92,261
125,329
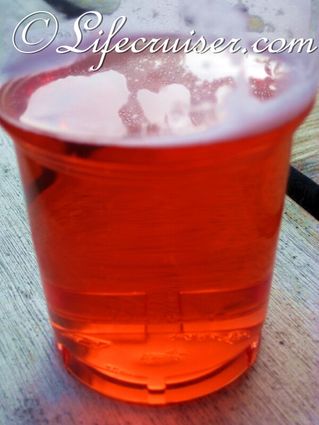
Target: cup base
x,y
210,382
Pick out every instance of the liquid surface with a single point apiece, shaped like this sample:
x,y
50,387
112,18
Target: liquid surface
x,y
145,99
156,263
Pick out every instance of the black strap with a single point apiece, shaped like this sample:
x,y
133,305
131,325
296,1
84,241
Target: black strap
x,y
304,191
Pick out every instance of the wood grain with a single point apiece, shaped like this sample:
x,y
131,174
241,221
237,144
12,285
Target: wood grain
x,y
280,389
305,155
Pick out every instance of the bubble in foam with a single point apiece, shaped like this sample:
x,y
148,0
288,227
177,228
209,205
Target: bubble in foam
x,y
211,66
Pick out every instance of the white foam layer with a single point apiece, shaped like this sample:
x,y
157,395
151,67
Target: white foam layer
x,y
236,111
219,102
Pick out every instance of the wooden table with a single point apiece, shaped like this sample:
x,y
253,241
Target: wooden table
x,y
305,155
281,389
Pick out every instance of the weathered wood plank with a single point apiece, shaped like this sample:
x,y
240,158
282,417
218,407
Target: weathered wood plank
x,y
305,155
280,389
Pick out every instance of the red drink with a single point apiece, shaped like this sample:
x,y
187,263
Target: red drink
x,y
155,238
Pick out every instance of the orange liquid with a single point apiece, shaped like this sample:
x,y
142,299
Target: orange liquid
x,y
156,261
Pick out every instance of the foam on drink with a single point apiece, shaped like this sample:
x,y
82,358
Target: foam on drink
x,y
163,95
139,95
